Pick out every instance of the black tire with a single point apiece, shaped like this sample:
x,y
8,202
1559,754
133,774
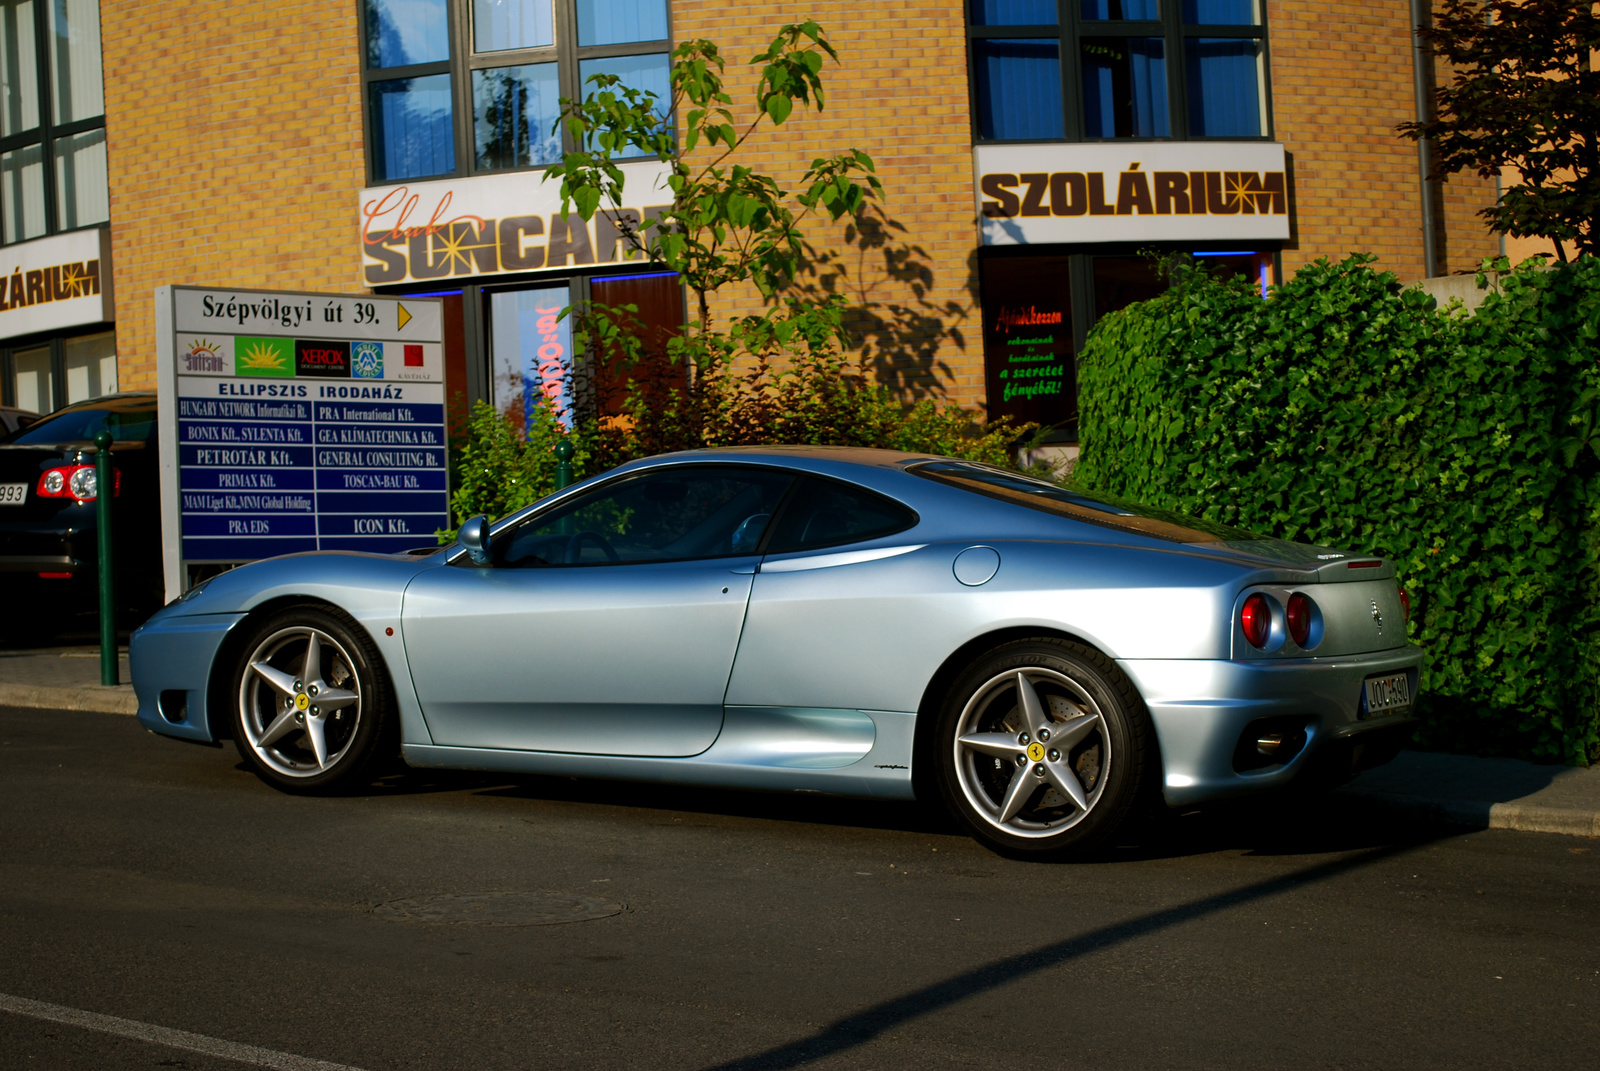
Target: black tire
x,y
280,718
1086,703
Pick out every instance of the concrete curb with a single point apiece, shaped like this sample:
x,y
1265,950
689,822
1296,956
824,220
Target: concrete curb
x,y
98,698
1480,814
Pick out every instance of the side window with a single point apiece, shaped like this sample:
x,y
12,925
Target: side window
x,y
665,515
822,513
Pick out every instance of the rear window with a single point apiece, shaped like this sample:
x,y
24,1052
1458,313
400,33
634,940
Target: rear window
x,y
1097,509
822,513
129,420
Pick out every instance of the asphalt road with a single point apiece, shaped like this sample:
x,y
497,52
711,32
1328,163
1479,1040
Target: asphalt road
x,y
162,884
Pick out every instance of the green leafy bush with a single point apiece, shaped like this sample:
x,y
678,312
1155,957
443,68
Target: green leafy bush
x,y
1349,411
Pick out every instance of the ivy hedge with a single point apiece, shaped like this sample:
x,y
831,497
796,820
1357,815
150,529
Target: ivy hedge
x,y
1350,411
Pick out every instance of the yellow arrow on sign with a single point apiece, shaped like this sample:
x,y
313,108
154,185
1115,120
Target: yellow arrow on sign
x,y
405,317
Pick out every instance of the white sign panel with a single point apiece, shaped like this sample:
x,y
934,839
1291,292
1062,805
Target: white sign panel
x,y
1131,192
54,283
495,224
293,421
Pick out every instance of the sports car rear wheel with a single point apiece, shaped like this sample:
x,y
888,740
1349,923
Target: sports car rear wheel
x,y
310,702
1044,749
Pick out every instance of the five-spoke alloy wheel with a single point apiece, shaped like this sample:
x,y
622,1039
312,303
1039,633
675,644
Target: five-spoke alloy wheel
x,y
310,705
1044,748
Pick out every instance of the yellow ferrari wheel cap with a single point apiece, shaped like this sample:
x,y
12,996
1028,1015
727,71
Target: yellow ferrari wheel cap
x,y
302,701
1036,751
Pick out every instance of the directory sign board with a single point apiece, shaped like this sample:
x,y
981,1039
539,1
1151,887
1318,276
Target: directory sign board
x,y
294,422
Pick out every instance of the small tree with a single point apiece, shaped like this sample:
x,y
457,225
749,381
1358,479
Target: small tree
x,y
1524,94
729,223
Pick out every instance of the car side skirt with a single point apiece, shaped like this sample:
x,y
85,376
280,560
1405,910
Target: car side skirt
x,y
864,753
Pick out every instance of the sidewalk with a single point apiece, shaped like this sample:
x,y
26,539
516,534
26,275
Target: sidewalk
x,y
1456,789
64,678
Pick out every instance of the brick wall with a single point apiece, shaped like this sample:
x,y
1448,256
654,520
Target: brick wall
x,y
235,148
1341,82
899,92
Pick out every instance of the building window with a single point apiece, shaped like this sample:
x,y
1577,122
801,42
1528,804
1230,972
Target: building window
x,y
52,119
461,87
1088,70
45,375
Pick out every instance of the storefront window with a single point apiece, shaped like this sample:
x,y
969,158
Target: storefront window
x,y
90,362
52,160
532,352
33,380
1029,361
1087,70
45,376
459,87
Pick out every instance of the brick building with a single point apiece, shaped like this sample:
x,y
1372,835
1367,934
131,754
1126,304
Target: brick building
x,y
1032,150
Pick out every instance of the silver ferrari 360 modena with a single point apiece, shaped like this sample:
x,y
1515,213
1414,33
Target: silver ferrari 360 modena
x,y
1048,664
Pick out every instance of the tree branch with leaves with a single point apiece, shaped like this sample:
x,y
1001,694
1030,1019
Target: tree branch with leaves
x,y
1524,94
729,223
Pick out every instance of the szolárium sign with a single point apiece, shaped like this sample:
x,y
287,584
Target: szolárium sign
x,y
294,421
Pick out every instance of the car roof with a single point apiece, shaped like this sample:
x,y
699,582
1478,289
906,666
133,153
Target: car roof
x,y
812,458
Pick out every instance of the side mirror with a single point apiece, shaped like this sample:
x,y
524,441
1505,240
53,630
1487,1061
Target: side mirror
x,y
474,538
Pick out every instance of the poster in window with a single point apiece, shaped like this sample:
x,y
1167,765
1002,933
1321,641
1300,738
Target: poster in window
x,y
1027,340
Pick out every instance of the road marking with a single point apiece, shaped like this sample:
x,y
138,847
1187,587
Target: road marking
x,y
161,1035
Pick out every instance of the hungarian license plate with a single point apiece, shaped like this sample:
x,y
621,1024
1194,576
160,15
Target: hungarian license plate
x,y
13,494
1388,694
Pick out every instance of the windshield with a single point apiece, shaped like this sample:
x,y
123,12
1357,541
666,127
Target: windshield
x,y
1104,510
129,420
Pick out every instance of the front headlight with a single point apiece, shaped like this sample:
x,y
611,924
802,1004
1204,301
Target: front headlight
x,y
192,592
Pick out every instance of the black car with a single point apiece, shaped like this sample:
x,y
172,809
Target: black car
x,y
48,525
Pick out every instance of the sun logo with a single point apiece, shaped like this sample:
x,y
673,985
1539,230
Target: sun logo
x,y
262,356
74,280
203,356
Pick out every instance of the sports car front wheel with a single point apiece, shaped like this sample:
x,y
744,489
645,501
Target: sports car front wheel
x,y
310,701
1045,749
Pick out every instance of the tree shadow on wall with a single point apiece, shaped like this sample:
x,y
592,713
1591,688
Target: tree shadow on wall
x,y
902,331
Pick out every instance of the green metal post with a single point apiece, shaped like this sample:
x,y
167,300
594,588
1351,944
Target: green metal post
x,y
105,483
564,478
563,464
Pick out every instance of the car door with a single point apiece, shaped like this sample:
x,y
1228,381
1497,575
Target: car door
x,y
606,625
847,608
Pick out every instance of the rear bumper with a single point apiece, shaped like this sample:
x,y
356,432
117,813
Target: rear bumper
x,y
171,659
1201,709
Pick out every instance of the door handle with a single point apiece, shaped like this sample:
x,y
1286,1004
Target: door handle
x,y
746,570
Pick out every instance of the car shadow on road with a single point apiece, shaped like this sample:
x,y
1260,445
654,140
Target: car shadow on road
x,y
862,1027
1281,825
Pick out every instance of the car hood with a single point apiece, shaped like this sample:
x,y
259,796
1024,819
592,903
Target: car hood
x,y
329,574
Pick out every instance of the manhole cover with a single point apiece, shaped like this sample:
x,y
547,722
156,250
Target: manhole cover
x,y
497,909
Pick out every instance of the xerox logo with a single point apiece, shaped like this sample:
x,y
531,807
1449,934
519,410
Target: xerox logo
x,y
317,358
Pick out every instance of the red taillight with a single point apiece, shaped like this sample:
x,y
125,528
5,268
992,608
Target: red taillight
x,y
1405,605
75,481
1255,618
1298,616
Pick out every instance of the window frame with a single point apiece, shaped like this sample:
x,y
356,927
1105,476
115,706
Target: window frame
x,y
49,131
566,53
514,524
57,344
1072,29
